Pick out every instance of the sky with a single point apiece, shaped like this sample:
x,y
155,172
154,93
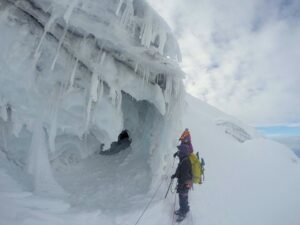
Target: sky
x,y
275,131
241,56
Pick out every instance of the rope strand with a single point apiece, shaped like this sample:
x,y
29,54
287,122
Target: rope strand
x,y
154,194
149,202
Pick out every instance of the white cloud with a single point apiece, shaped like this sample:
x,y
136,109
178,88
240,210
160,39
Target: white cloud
x,y
240,56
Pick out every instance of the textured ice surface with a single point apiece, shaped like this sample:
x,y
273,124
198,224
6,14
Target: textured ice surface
x,y
75,74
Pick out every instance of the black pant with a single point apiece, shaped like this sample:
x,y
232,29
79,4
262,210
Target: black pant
x,y
183,193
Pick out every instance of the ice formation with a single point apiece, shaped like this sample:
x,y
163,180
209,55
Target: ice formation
x,y
74,74
86,70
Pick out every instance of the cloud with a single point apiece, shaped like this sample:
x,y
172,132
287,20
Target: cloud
x,y
240,56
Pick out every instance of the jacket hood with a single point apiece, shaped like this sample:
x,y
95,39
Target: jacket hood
x,y
183,150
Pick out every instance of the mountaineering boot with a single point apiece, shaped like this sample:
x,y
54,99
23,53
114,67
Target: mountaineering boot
x,y
178,212
180,217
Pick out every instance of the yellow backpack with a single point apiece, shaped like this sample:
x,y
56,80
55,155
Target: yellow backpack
x,y
197,168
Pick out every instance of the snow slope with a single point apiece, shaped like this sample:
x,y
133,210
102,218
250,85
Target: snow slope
x,y
255,182
73,75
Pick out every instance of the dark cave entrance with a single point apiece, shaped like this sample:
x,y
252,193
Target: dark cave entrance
x,y
123,143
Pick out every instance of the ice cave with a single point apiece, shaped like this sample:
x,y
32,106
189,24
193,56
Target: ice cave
x,y
81,72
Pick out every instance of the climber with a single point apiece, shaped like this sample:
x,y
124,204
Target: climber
x,y
184,180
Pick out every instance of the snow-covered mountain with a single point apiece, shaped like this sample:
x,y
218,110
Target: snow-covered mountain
x,y
75,75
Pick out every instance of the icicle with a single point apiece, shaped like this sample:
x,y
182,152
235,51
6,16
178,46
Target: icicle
x,y
53,111
37,52
136,67
72,77
69,11
175,88
147,76
112,95
146,34
119,101
94,87
101,89
38,163
167,92
119,7
59,46
52,133
88,112
3,113
95,79
17,127
102,59
46,29
8,112
126,17
93,95
162,43
4,138
144,74
71,81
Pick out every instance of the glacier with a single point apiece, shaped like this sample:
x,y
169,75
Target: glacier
x,y
74,74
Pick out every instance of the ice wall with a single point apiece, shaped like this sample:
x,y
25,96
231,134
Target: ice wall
x,y
82,69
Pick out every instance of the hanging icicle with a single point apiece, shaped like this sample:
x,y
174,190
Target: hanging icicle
x,y
47,27
119,7
70,8
136,67
93,95
59,46
72,77
146,34
38,163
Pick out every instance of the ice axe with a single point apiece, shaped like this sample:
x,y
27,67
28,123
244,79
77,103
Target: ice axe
x,y
171,182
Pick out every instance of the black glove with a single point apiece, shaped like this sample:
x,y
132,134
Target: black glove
x,y
173,176
175,154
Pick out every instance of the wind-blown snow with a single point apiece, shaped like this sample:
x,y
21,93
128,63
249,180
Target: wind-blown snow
x,y
73,75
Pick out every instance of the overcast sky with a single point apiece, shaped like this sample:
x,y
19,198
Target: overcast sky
x,y
242,56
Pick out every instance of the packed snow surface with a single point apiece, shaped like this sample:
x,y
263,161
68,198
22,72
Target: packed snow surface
x,y
74,74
